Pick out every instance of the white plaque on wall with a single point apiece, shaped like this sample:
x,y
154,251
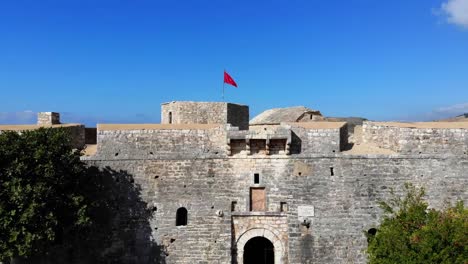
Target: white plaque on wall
x,y
305,211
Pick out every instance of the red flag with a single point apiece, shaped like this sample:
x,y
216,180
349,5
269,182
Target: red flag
x,y
228,79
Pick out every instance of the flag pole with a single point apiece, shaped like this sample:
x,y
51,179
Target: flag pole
x,y
223,84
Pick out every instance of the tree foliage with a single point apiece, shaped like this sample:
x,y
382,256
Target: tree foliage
x,y
40,196
54,209
410,232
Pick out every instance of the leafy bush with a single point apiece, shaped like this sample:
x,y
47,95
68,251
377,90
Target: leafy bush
x,y
410,232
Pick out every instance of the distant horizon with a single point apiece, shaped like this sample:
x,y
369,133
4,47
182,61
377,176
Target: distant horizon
x,y
116,62
30,117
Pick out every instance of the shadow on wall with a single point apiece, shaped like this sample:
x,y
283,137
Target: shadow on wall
x,y
296,144
122,231
307,249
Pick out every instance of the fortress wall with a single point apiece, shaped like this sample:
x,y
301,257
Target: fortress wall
x,y
417,140
203,141
345,203
312,141
147,143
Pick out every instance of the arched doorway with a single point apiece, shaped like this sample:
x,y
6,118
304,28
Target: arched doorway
x,y
259,250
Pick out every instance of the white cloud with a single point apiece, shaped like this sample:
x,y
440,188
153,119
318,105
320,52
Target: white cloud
x,y
456,12
456,109
444,112
90,120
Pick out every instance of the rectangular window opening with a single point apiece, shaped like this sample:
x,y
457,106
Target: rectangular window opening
x,y
256,178
283,207
233,206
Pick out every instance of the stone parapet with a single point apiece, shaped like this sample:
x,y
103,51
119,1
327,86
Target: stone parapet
x,y
418,138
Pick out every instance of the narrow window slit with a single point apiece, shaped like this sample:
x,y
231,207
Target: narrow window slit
x,y
256,178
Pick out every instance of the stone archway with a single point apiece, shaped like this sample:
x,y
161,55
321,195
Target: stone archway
x,y
260,232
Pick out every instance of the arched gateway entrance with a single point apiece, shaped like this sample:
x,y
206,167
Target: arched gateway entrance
x,y
259,250
259,245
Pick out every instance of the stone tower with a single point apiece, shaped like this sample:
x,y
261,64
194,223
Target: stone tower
x,y
178,112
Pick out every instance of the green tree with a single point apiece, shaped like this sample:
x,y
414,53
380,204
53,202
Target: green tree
x,y
410,232
40,196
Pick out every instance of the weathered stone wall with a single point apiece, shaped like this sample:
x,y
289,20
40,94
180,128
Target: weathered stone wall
x,y
413,140
77,134
208,142
308,141
345,202
165,142
205,113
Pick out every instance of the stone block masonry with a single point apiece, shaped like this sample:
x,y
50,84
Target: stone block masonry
x,y
346,203
147,141
205,113
418,138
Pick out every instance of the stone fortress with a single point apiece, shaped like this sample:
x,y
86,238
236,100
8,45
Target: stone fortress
x,y
288,186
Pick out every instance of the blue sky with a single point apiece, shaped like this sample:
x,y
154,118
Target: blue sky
x,y
117,61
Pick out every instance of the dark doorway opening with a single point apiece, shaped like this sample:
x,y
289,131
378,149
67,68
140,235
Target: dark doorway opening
x,y
259,250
